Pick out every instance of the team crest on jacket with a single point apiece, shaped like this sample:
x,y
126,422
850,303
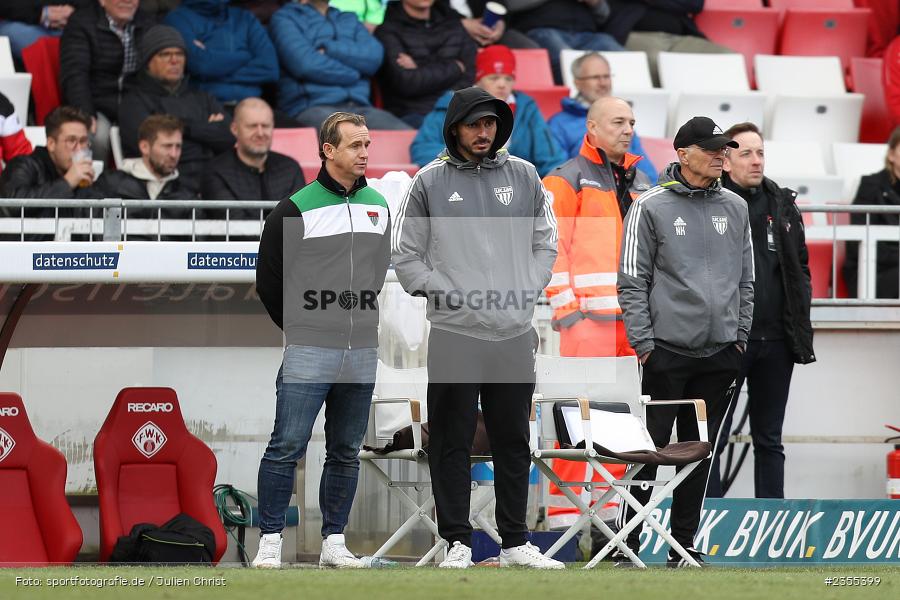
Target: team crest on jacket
x,y
7,443
373,216
504,194
721,224
149,439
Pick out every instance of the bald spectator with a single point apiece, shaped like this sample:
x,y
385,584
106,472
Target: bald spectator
x,y
251,171
593,80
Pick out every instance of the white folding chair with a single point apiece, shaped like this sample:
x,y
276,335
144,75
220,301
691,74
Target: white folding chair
x,y
607,431
394,407
7,66
852,161
725,108
17,87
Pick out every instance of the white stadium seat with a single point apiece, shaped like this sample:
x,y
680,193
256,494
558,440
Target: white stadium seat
x,y
815,189
794,159
37,135
725,109
6,59
825,120
17,87
799,75
686,72
852,161
630,70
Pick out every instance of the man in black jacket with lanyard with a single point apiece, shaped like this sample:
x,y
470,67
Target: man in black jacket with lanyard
x,y
323,257
781,333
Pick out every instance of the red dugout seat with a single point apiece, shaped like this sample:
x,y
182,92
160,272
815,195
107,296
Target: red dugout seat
x,y
389,151
37,526
533,68
548,99
825,32
750,31
659,151
301,144
150,468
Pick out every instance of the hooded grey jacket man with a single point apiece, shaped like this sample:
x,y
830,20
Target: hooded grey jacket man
x,y
686,268
478,239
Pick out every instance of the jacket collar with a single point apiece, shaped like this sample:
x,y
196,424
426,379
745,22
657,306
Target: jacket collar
x,y
671,179
598,156
147,82
329,183
487,162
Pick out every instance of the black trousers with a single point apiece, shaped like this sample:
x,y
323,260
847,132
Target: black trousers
x,y
460,370
767,368
671,376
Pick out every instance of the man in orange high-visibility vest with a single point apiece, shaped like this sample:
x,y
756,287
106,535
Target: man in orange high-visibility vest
x,y
591,194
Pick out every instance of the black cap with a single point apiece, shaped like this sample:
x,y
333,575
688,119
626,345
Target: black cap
x,y
703,132
479,111
158,38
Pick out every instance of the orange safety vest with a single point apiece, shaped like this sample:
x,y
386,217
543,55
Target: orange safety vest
x,y
590,235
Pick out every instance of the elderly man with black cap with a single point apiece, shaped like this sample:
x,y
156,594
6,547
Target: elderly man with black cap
x,y
476,236
686,290
159,88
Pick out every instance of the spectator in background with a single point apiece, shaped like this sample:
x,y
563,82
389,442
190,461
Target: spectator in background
x,y
327,58
251,171
593,80
158,8
472,13
13,142
55,170
781,333
655,26
229,53
560,24
426,52
261,9
153,176
891,79
495,72
879,189
24,21
160,87
99,49
369,12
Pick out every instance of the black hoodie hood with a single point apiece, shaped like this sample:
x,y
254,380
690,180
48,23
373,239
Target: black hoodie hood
x,y
464,102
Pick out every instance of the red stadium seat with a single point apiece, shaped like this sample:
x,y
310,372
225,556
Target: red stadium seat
x,y
149,468
659,151
41,59
548,99
731,4
301,144
865,75
533,68
389,151
824,32
748,31
37,525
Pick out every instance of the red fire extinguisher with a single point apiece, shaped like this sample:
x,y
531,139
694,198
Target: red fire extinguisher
x,y
893,466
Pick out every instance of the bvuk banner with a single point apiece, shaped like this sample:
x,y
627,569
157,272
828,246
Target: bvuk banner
x,y
753,531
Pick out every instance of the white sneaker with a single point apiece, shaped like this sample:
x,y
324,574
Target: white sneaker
x,y
528,556
458,557
335,554
269,555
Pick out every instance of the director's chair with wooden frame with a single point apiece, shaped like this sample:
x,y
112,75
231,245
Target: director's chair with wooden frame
x,y
599,432
395,433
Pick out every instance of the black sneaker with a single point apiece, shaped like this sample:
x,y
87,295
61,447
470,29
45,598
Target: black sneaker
x,y
676,561
621,561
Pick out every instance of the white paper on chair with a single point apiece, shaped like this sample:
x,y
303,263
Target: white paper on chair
x,y
619,432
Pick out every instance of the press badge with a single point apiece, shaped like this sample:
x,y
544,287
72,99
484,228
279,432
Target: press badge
x,y
770,237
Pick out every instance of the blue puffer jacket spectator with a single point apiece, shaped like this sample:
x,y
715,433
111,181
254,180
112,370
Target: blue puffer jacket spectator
x,y
229,53
531,139
569,127
326,59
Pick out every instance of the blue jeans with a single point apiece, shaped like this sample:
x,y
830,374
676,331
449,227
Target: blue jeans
x,y
555,40
22,35
342,380
375,117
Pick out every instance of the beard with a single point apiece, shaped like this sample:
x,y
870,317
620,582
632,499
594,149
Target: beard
x,y
162,169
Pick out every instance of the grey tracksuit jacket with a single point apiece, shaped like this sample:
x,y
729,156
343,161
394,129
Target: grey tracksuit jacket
x,y
477,239
686,269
